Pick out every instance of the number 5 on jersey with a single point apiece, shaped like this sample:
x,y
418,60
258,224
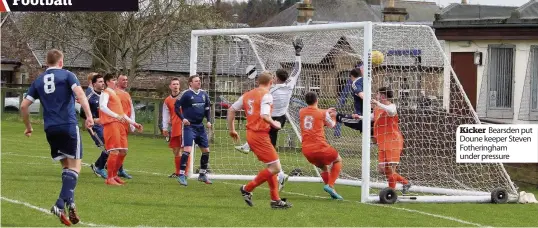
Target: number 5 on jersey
x,y
48,79
250,110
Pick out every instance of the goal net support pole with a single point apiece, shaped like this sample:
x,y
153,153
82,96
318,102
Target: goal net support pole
x,y
365,33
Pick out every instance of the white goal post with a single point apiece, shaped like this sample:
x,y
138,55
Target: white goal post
x,y
431,104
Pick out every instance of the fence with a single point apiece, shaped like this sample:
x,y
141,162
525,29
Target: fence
x,y
148,109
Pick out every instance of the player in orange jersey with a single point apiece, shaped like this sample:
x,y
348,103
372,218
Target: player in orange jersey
x,y
128,109
388,138
257,104
170,119
314,144
113,118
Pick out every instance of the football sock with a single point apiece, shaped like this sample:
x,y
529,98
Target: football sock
x,y
204,160
183,162
101,161
273,187
112,162
121,158
69,182
177,160
258,180
335,172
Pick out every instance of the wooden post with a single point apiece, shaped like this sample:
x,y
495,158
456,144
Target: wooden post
x,y
3,101
156,130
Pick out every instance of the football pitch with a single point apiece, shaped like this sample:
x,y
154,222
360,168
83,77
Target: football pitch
x,y
31,182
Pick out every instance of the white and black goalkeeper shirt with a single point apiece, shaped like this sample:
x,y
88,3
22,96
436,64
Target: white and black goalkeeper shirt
x,y
282,92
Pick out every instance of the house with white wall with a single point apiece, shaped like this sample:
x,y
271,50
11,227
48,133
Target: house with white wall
x,y
493,51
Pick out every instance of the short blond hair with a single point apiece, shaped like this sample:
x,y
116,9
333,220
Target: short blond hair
x,y
265,78
54,56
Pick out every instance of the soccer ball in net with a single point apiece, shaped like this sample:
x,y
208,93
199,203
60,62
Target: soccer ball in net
x,y
377,57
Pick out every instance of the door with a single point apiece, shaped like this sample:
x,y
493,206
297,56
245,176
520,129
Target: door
x,y
466,70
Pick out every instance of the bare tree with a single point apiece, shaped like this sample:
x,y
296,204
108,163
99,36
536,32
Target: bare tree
x,y
121,42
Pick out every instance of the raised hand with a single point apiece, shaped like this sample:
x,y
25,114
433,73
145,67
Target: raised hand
x,y
298,45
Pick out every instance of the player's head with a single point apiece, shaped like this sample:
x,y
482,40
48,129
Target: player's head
x,y
55,58
90,77
355,73
282,75
311,98
384,93
110,80
122,81
195,82
174,85
265,78
98,82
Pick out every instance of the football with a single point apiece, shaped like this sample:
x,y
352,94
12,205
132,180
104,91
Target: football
x,y
377,58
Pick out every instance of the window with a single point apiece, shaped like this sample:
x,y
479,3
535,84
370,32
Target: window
x,y
533,70
314,83
229,86
500,81
225,86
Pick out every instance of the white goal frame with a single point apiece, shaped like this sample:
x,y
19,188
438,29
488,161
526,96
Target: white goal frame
x,y
448,195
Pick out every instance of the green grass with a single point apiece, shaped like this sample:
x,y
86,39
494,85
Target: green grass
x,y
152,199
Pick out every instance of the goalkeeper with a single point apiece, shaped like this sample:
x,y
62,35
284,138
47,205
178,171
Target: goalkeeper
x,y
281,92
354,121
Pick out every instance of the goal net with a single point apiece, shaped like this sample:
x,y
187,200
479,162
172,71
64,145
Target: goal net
x,y
430,101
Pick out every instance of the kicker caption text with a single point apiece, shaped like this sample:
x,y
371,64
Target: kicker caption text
x,y
506,143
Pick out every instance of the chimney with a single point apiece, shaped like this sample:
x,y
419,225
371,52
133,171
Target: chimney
x,y
464,2
393,14
305,11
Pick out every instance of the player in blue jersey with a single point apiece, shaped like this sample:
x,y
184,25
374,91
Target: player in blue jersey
x,y
191,108
56,89
98,85
354,121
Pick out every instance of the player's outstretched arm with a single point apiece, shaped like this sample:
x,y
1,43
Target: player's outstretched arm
x,y
236,106
83,100
298,45
390,108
